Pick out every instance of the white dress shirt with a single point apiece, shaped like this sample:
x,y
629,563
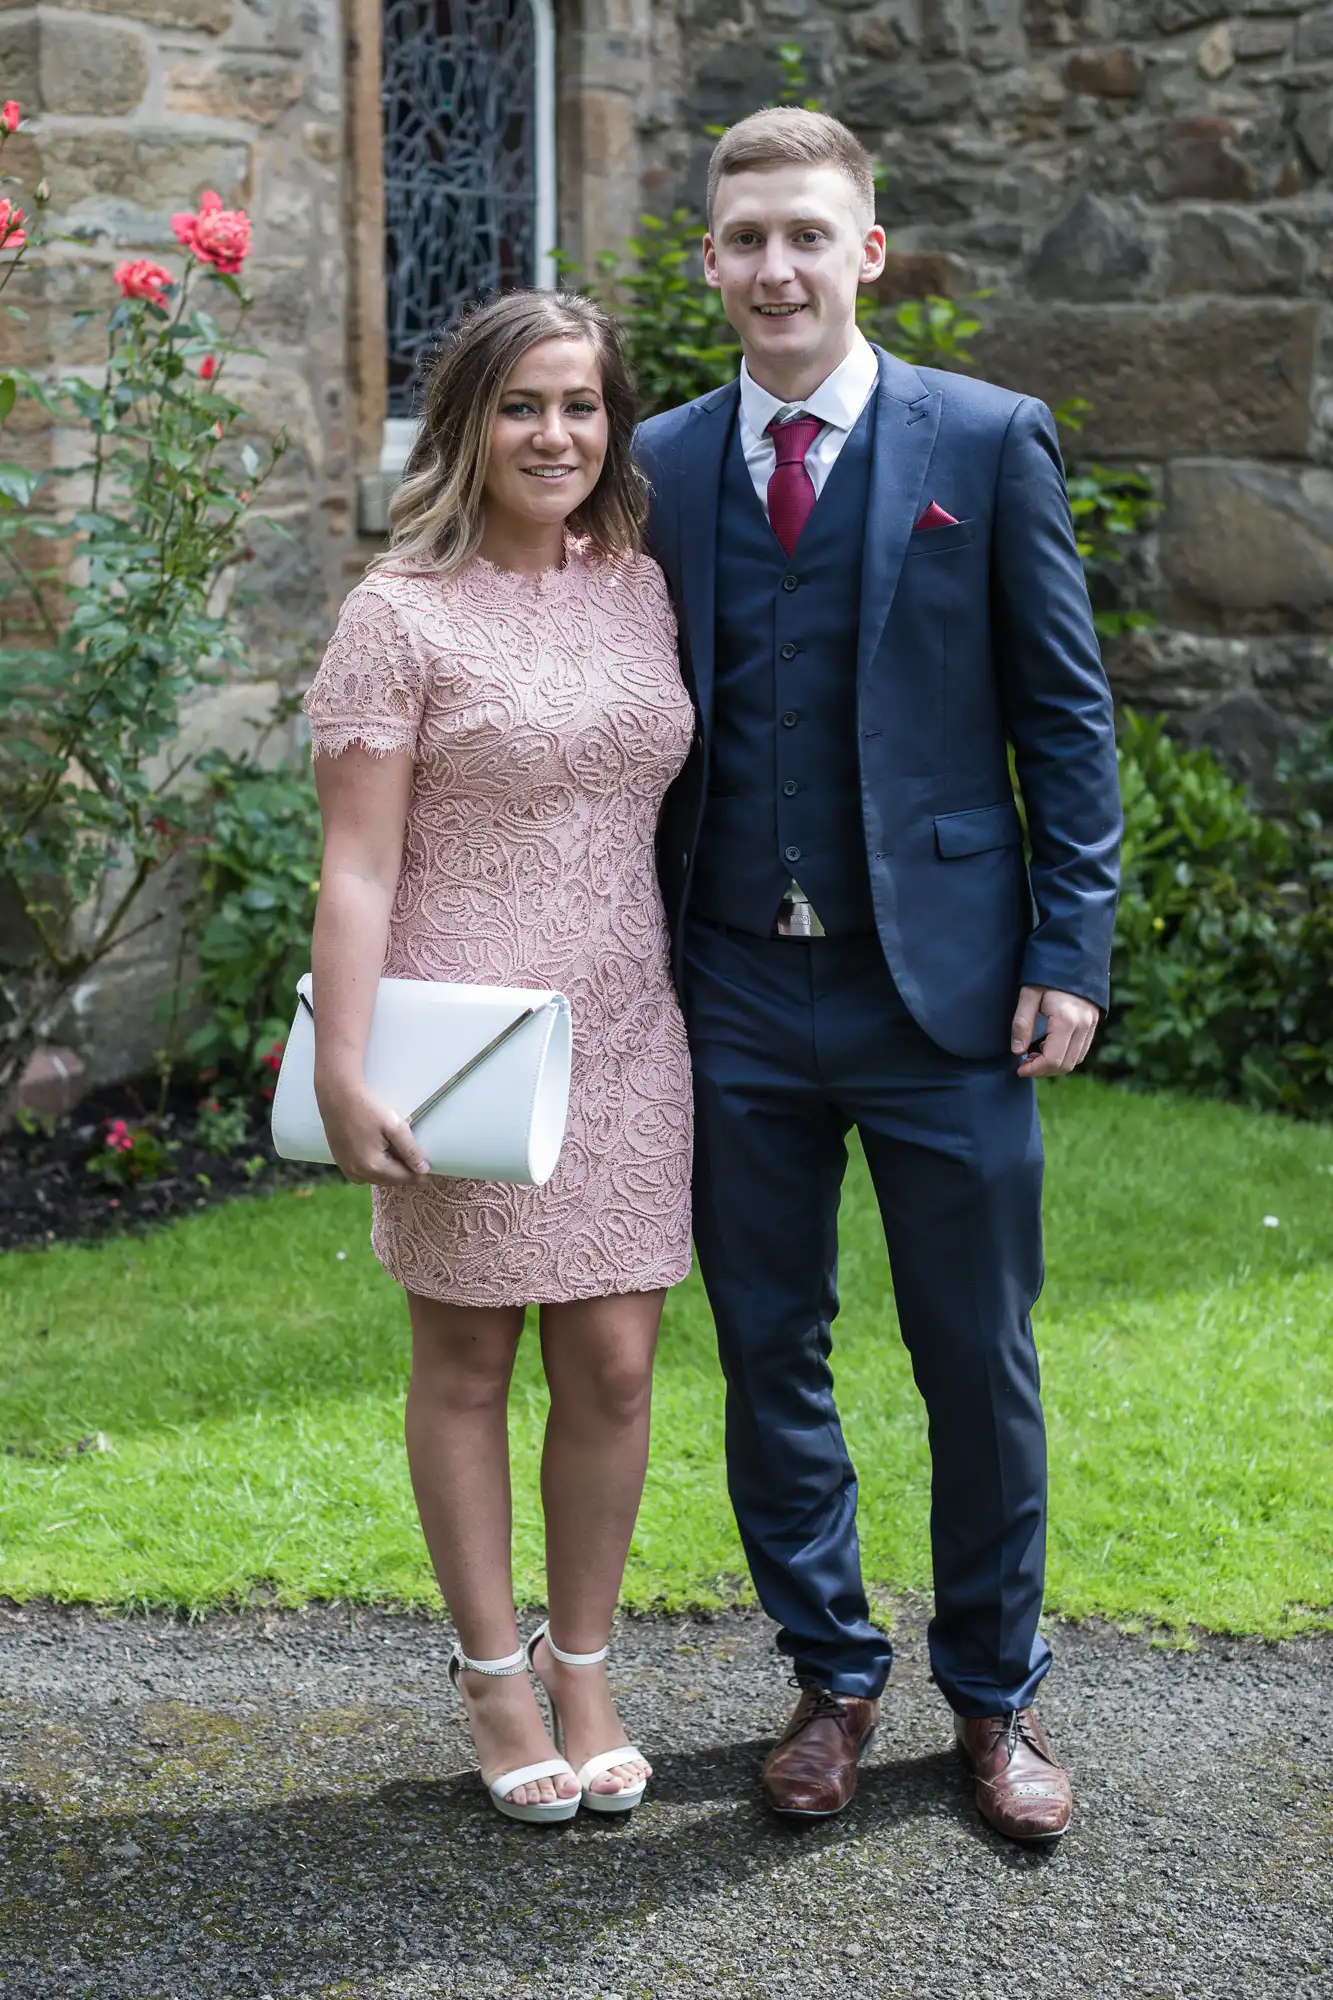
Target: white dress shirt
x,y
837,402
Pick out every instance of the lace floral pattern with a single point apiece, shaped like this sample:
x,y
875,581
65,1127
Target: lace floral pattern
x,y
546,717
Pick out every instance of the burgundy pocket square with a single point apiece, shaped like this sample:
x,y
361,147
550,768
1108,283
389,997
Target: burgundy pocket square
x,y
935,517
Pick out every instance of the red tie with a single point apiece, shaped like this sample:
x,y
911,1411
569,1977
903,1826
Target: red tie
x,y
791,491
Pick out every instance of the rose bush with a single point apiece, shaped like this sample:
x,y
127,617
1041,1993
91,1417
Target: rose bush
x,y
112,610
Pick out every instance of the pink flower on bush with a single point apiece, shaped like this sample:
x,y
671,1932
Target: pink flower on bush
x,y
143,279
10,115
119,1138
12,235
217,235
208,368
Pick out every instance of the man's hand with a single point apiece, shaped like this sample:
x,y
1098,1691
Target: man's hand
x,y
1071,1023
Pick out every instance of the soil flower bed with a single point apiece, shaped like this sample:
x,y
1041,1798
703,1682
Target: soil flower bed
x,y
117,1163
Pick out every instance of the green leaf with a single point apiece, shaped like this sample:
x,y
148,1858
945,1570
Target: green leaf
x,y
17,484
8,395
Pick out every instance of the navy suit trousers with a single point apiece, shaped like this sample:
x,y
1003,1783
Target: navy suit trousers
x,y
794,1044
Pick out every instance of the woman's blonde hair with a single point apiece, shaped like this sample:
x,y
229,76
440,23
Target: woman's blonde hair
x,y
436,516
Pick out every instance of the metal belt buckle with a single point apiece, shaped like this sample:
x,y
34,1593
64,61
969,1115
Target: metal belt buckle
x,y
797,919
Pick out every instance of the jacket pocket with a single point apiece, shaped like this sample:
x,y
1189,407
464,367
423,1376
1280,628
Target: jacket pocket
x,y
934,541
978,830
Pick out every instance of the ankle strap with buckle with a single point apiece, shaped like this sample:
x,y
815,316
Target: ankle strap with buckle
x,y
566,1659
513,1663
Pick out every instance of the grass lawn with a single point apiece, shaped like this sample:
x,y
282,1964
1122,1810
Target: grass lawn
x,y
247,1368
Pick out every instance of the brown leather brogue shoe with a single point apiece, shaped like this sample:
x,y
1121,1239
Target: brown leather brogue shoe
x,y
811,1772
1022,1788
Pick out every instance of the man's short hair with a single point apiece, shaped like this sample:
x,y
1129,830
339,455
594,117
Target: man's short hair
x,y
786,135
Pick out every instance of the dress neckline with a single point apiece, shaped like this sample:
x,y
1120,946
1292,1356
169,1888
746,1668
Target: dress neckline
x,y
576,549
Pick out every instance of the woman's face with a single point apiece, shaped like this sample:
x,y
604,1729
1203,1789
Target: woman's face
x,y
548,442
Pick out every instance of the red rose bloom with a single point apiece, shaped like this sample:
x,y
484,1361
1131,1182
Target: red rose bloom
x,y
216,235
143,279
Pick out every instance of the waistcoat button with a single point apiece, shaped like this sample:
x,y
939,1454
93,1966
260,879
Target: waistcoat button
x,y
789,583
791,853
790,789
788,651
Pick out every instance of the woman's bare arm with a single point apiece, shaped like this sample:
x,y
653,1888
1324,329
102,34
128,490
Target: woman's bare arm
x,y
363,800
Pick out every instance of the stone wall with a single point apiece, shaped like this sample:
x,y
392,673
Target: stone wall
x,y
1144,186
138,106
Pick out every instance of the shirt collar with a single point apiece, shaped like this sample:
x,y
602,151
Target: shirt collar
x,y
839,399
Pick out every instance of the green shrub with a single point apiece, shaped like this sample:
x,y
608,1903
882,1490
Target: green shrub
x,y
254,909
1223,955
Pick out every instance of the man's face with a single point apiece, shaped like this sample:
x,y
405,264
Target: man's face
x,y
787,249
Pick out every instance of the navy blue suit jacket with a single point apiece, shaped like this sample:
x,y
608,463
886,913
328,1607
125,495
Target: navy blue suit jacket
x,y
972,638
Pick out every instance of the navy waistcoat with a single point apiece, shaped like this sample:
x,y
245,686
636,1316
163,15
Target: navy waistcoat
x,y
784,779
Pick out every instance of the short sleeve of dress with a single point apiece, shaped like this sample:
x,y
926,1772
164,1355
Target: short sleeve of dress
x,y
370,687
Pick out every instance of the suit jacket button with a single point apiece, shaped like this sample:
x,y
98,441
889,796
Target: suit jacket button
x,y
789,651
790,719
791,853
790,789
789,582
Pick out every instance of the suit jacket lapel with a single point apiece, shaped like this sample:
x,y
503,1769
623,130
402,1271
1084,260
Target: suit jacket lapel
x,y
907,416
698,494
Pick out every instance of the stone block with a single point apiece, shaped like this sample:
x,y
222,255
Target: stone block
x,y
124,185
229,718
920,274
943,28
1199,162
19,43
1105,72
323,143
1262,41
1243,537
253,89
290,609
908,93
1096,250
878,37
284,304
1314,37
1233,250
212,17
1216,53
731,82
1314,131
52,1083
90,68
1215,379
1170,16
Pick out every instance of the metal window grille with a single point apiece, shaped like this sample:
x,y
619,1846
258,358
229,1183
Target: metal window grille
x,y
461,145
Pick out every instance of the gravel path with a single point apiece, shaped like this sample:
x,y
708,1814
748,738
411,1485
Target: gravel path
x,y
283,1804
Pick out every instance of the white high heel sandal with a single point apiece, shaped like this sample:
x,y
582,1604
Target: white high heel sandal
x,y
628,1796
545,1812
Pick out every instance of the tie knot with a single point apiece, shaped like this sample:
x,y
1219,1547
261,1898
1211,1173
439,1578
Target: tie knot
x,y
792,440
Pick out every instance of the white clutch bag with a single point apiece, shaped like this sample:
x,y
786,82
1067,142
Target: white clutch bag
x,y
481,1074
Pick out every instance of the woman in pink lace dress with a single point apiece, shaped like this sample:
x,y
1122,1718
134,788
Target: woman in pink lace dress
x,y
494,724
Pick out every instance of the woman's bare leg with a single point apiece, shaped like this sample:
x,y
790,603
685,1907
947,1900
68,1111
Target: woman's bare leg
x,y
458,1452
598,1355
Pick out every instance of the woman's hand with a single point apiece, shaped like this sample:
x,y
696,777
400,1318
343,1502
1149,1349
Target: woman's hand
x,y
368,1140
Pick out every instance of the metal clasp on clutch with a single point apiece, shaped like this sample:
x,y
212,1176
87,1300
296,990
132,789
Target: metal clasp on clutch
x,y
465,1069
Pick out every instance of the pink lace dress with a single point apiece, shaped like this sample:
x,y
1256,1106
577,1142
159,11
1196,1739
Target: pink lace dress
x,y
547,717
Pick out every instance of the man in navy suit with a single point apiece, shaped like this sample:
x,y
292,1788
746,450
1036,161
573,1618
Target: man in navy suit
x,y
879,593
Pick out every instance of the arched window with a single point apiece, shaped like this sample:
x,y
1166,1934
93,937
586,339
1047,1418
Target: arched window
x,y
467,112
